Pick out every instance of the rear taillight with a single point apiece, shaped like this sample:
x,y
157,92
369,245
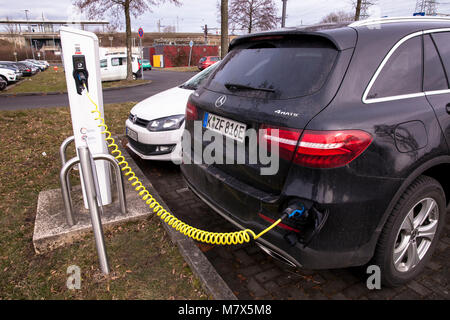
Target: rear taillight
x,y
286,138
317,149
191,112
331,149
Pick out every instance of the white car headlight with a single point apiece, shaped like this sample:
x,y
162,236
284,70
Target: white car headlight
x,y
167,123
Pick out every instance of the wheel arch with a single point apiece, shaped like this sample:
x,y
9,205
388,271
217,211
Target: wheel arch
x,y
434,169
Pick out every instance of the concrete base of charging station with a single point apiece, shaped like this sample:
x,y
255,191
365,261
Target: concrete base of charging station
x,y
52,231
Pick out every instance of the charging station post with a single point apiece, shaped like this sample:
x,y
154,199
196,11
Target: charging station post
x,y
81,65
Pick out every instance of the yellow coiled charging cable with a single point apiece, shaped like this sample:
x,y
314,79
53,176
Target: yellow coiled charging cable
x,y
227,238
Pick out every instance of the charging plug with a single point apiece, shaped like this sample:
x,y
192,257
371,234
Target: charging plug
x,y
80,73
294,210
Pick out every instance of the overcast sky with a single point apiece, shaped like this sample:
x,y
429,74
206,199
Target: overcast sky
x,y
195,13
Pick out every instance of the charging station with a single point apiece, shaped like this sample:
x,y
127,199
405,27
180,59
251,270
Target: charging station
x,y
81,64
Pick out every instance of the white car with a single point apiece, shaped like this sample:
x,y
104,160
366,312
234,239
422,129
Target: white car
x,y
155,125
114,67
8,74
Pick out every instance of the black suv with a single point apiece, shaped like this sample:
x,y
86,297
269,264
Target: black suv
x,y
362,113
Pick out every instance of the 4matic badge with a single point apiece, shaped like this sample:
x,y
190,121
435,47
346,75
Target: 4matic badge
x,y
286,113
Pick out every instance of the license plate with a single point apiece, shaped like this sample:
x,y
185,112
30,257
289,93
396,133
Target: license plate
x,y
132,134
229,128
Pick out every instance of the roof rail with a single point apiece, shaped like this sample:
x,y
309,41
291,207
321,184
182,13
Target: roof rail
x,y
398,19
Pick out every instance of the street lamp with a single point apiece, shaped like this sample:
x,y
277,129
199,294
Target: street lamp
x,y
29,31
283,17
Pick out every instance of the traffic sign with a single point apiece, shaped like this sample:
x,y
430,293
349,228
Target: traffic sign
x,y
191,43
141,32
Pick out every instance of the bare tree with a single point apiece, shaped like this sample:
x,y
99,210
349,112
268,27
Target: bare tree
x,y
339,16
169,29
10,28
116,9
253,15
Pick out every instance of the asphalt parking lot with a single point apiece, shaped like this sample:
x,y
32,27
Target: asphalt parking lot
x,y
252,274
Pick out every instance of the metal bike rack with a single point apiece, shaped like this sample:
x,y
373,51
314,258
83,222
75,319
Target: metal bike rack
x,y
87,168
65,182
89,177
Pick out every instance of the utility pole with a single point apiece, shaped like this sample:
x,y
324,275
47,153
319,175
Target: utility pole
x,y
223,28
29,30
362,9
283,17
364,13
205,31
429,7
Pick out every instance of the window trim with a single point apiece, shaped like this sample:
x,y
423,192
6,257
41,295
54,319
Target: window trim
x,y
386,59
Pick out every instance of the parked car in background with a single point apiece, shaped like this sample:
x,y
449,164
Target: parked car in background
x,y
10,65
155,125
42,63
360,116
40,66
34,68
3,84
8,74
205,62
146,65
27,71
114,67
24,70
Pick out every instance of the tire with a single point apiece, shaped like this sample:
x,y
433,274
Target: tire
x,y
134,76
402,250
6,80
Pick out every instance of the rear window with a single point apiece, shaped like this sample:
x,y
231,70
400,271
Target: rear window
x,y
402,74
434,76
281,69
202,59
442,40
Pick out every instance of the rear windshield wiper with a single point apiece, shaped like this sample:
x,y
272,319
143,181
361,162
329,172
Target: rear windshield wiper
x,y
237,86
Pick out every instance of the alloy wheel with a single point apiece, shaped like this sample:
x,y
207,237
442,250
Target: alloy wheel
x,y
416,234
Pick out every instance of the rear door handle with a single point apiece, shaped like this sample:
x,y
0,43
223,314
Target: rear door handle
x,y
447,108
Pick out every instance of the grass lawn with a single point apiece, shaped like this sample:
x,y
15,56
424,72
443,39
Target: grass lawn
x,y
51,81
144,263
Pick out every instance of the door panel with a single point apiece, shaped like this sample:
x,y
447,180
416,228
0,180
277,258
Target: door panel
x,y
441,105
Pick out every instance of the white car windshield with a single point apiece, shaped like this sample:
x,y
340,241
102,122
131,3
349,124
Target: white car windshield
x,y
196,80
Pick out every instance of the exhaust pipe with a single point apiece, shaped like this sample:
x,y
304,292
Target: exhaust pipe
x,y
277,256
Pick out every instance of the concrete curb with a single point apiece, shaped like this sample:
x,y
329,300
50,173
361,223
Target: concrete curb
x,y
211,281
51,93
